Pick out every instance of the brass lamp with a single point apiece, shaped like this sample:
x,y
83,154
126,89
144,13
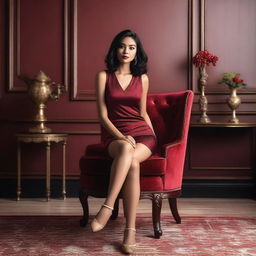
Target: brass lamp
x,y
40,89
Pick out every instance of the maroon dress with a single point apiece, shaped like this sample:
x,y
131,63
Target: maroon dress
x,y
124,112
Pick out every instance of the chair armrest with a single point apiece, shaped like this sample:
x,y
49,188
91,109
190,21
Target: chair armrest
x,y
166,147
174,153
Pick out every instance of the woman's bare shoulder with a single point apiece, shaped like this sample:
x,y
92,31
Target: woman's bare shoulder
x,y
101,79
102,75
144,79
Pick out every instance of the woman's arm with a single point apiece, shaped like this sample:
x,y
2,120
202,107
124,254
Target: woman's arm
x,y
143,102
102,109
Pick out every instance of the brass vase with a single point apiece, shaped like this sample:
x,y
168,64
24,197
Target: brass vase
x,y
233,102
204,119
40,89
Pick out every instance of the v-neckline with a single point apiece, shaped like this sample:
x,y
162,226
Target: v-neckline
x,y
124,90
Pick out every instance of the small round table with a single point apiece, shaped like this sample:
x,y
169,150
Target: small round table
x,y
46,138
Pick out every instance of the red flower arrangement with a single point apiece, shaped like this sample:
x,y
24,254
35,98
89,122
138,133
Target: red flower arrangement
x,y
203,58
237,80
233,80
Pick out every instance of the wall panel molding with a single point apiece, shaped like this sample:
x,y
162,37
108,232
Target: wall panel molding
x,y
232,40
191,42
81,88
76,93
60,121
209,162
204,22
14,55
199,39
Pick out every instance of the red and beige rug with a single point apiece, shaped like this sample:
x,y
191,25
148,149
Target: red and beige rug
x,y
62,236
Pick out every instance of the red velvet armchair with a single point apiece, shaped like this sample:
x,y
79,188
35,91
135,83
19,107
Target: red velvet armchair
x,y
161,174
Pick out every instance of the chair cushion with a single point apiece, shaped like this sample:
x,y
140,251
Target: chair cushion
x,y
97,162
98,185
96,149
153,166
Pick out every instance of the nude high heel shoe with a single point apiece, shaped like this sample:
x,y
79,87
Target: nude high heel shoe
x,y
95,225
129,248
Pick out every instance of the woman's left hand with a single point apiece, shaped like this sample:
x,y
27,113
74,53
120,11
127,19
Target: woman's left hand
x,y
131,140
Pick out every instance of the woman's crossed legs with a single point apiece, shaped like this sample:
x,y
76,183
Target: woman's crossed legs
x,y
125,175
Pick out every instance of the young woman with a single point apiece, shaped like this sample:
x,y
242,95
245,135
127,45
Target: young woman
x,y
127,131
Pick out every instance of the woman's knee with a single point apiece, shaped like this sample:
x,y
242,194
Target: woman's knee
x,y
126,148
134,168
120,147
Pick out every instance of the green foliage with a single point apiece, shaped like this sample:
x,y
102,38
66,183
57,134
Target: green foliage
x,y
232,79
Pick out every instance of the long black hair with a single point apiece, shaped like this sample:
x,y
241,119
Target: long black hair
x,y
138,65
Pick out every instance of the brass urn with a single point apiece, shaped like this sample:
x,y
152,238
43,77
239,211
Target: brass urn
x,y
40,89
233,102
203,102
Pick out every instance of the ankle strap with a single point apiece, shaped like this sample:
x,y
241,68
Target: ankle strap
x,y
133,229
104,205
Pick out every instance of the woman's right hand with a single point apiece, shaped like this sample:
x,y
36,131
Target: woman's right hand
x,y
130,140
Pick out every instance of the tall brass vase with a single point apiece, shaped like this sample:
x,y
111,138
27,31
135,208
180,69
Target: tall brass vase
x,y
233,102
203,102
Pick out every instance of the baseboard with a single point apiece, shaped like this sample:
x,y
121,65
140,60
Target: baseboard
x,y
35,188
219,188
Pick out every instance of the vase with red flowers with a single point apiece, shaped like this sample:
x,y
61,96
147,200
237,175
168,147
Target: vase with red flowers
x,y
201,60
234,82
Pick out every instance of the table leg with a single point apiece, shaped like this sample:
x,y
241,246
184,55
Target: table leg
x,y
48,170
18,171
64,171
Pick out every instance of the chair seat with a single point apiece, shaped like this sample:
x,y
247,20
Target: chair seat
x,y
97,162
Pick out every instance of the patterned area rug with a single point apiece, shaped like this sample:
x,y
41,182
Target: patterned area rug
x,y
62,236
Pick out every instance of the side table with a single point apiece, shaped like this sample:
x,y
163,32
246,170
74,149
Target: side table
x,y
46,138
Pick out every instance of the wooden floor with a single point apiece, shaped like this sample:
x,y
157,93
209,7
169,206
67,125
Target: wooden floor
x,y
72,207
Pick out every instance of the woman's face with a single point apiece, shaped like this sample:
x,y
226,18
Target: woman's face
x,y
127,50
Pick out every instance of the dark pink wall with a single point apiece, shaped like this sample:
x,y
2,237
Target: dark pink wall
x,y
41,37
68,40
161,25
237,34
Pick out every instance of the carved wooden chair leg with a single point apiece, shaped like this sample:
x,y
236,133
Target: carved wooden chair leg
x,y
174,209
156,213
115,211
83,196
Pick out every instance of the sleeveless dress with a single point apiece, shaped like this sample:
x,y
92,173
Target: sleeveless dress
x,y
124,112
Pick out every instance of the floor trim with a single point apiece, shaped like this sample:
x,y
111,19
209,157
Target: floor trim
x,y
34,188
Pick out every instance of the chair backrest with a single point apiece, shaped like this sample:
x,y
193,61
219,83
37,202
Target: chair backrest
x,y
167,112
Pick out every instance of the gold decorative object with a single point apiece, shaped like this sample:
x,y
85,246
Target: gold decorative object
x,y
204,119
202,59
234,82
40,89
233,102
